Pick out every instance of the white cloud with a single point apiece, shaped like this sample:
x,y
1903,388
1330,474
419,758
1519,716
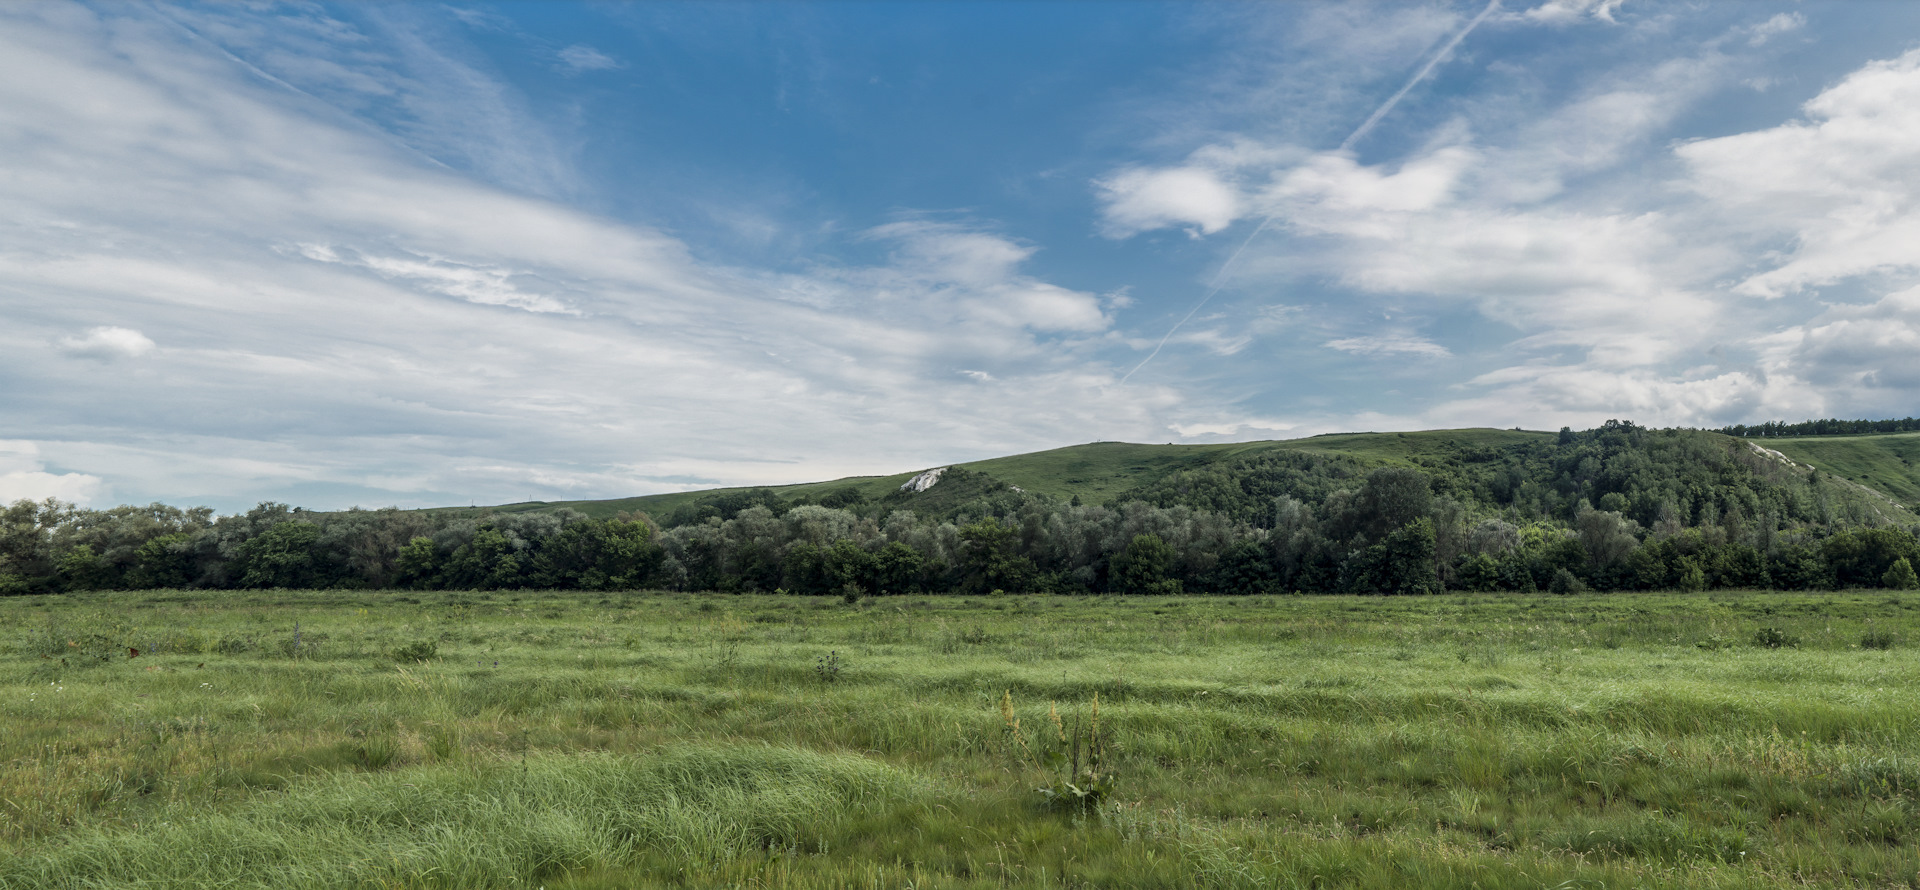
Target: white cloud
x,y
1626,267
1140,199
108,344
1390,344
1566,12
1225,429
486,285
1216,341
580,57
1852,350
1843,185
1333,193
961,274
1782,23
24,477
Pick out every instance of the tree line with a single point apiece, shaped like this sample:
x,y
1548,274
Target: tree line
x,y
1615,508
1828,427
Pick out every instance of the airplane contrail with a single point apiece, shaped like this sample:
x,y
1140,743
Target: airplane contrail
x,y
1421,75
1218,277
1358,133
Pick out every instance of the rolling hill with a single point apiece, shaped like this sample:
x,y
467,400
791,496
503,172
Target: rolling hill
x,y
1095,472
1885,462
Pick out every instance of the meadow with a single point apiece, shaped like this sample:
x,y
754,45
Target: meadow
x,y
296,739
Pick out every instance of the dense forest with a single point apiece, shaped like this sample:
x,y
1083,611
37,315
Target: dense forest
x,y
1619,507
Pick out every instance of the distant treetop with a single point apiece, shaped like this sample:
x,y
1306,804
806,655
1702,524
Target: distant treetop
x,y
1828,427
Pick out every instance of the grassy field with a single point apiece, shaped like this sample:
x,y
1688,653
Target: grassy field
x,y
1094,472
349,739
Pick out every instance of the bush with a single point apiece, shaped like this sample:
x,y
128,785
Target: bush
x,y
419,650
1875,638
1774,638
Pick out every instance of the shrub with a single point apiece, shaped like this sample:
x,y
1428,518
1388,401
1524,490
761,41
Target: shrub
x,y
418,650
1565,582
1774,638
1876,638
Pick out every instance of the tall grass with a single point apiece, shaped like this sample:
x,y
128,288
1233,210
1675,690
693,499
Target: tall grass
x,y
1490,741
485,827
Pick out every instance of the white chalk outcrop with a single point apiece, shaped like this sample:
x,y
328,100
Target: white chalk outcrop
x,y
1775,455
923,481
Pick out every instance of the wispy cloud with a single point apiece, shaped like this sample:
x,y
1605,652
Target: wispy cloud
x,y
1389,345
580,57
332,315
1783,23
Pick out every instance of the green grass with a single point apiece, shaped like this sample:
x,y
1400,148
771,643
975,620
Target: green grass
x,y
1887,462
691,741
1094,472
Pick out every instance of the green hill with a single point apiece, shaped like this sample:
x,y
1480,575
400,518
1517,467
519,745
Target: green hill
x,y
1886,462
1094,472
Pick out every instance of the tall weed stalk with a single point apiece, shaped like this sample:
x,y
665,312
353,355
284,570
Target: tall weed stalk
x,y
1071,762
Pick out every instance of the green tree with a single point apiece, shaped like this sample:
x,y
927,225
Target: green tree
x,y
281,556
492,560
1690,577
1143,567
166,561
593,554
1606,537
1861,557
82,569
1244,568
897,568
804,570
1391,498
988,560
847,565
1400,564
1900,576
418,565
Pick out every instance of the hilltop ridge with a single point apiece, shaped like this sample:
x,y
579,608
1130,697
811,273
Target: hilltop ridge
x,y
1886,464
1095,472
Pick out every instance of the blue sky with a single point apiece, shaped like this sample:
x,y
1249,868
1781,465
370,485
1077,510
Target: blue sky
x,y
428,254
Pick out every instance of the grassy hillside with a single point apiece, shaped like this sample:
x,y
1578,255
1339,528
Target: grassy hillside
x,y
1096,471
1888,462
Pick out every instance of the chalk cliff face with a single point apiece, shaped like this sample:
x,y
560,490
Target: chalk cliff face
x,y
923,481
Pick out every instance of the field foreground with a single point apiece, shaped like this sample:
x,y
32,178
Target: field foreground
x,y
352,739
